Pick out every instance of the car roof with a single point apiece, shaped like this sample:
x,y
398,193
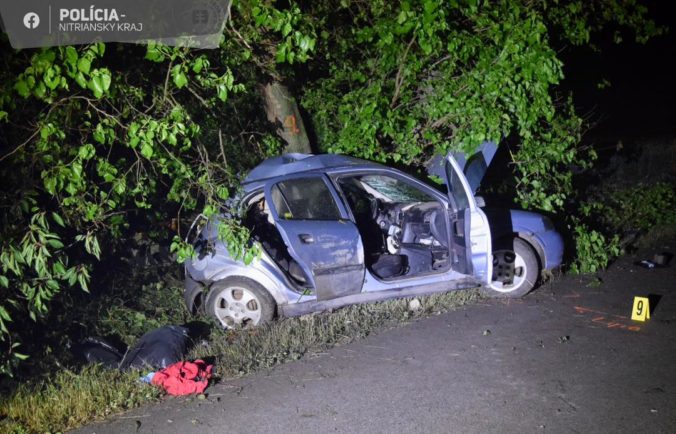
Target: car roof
x,y
289,164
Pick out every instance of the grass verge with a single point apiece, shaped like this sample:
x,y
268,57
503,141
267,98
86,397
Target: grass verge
x,y
240,352
69,400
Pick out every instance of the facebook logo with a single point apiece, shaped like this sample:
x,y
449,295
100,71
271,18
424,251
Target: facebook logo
x,y
31,20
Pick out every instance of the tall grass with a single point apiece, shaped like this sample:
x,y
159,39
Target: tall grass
x,y
239,352
70,400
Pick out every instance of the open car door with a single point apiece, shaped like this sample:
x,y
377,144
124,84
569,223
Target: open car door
x,y
470,232
318,234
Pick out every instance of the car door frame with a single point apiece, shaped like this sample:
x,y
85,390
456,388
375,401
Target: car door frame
x,y
476,229
345,280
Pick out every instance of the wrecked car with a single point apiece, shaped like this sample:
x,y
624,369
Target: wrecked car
x,y
337,230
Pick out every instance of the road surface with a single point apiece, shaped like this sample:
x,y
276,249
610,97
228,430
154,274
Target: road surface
x,y
567,358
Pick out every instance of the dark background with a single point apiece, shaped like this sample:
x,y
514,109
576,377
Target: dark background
x,y
641,99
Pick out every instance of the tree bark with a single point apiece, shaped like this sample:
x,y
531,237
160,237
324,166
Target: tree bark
x,y
282,110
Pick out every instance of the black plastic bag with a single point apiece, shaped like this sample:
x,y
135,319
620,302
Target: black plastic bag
x,y
98,350
157,349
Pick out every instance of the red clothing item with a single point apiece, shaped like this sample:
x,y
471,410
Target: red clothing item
x,y
184,378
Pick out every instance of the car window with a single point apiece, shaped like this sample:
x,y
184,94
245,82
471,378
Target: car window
x,y
392,189
456,188
304,199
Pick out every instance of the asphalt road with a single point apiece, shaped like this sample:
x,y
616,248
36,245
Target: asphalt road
x,y
566,358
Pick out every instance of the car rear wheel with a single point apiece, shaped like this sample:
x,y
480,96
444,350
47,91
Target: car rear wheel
x,y
240,302
515,272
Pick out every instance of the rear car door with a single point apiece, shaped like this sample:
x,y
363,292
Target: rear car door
x,y
470,233
316,229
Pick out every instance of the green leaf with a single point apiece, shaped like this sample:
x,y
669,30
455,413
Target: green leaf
x,y
84,65
81,80
105,79
197,65
55,244
22,89
86,151
95,84
4,314
179,76
222,92
58,219
154,53
147,149
40,90
52,77
71,56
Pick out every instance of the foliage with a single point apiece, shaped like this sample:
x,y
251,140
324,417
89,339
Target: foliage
x,y
613,211
102,141
412,78
239,352
594,250
106,140
134,311
71,399
633,208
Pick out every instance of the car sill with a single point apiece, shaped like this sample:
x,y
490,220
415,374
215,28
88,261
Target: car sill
x,y
298,309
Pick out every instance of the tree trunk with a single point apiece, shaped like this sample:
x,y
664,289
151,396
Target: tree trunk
x,y
282,110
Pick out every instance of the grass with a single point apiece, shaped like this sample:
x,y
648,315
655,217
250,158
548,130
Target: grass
x,y
240,352
70,400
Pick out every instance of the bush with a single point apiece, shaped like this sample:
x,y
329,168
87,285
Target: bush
x,y
613,211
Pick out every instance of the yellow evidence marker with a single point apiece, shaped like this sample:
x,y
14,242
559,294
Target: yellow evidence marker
x,y
641,309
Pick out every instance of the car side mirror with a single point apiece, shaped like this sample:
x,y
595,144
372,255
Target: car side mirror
x,y
480,202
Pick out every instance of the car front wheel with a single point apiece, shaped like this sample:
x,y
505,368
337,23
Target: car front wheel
x,y
515,272
238,301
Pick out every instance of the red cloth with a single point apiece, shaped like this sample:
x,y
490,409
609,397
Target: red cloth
x,y
184,378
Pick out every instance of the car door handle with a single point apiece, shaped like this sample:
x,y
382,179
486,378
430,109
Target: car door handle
x,y
306,238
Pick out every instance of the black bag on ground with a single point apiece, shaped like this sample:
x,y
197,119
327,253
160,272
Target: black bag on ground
x,y
157,349
98,350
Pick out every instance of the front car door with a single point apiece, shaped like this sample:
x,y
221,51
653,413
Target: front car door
x,y
316,229
470,233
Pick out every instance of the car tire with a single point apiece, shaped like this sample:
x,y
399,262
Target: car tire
x,y
240,302
516,272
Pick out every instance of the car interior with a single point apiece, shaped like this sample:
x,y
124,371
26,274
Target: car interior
x,y
403,229
259,221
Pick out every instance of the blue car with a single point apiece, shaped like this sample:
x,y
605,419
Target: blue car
x,y
337,230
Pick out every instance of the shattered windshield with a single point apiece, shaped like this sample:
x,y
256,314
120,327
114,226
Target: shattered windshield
x,y
392,190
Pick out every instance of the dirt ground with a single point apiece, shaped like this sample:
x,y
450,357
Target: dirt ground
x,y
567,358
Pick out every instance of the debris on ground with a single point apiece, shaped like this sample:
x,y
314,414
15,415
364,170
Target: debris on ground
x,y
98,350
184,378
486,332
414,305
159,348
659,260
595,282
156,349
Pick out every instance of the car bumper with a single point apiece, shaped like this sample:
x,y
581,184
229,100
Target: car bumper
x,y
191,291
552,247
